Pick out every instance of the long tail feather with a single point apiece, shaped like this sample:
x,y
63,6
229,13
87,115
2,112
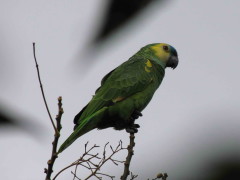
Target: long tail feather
x,y
85,126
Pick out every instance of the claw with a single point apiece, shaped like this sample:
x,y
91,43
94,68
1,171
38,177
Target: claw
x,y
136,114
131,130
135,126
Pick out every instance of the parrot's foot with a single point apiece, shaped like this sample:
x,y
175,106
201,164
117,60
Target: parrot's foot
x,y
136,114
133,128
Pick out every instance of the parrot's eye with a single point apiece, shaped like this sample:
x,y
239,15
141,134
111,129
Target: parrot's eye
x,y
165,48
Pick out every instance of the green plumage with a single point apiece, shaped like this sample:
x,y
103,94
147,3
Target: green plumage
x,y
126,89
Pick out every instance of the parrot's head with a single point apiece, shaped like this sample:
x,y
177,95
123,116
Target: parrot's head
x,y
161,53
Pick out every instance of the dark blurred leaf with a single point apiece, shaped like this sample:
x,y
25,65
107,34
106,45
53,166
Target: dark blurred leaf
x,y
119,13
11,120
228,169
6,120
223,162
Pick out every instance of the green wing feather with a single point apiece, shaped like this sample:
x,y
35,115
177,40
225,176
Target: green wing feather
x,y
126,80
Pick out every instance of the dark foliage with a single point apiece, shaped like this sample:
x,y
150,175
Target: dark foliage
x,y
119,13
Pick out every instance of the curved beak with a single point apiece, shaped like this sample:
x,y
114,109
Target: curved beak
x,y
172,62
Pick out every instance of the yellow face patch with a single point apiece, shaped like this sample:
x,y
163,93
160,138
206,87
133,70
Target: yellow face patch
x,y
148,66
161,52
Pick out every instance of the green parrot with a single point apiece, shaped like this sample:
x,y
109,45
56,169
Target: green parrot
x,y
125,92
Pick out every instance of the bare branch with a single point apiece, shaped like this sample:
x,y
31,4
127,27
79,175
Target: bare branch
x,y
106,175
55,141
81,160
87,158
129,157
74,176
133,176
105,159
57,127
41,86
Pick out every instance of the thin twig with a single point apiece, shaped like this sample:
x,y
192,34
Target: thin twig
x,y
87,158
133,176
56,127
80,160
112,177
105,159
75,176
41,86
55,141
126,171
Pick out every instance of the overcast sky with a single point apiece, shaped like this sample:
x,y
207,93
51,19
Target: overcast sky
x,y
193,119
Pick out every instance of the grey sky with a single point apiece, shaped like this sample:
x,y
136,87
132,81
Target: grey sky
x,y
193,117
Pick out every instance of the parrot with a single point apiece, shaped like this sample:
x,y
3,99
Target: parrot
x,y
125,92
